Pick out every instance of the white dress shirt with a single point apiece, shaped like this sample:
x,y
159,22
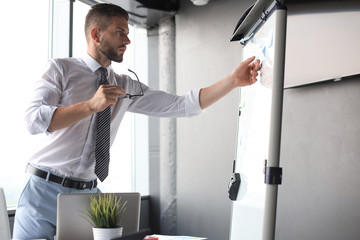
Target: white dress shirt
x,y
70,151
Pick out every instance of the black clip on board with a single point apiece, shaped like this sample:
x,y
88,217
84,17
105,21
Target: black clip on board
x,y
234,184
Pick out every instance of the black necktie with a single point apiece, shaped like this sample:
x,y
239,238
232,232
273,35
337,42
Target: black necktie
x,y
102,145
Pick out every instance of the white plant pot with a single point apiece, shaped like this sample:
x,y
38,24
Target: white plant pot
x,y
107,233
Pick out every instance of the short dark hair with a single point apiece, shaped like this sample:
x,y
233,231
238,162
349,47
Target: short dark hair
x,y
101,15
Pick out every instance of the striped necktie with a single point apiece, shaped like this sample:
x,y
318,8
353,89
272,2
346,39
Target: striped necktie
x,y
102,145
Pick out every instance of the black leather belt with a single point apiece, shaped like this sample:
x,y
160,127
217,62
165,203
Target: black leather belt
x,y
63,181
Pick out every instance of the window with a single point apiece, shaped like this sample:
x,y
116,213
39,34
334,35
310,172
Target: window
x,y
31,40
23,56
129,153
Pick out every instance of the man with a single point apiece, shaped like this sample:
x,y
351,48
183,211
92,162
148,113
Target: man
x,y
65,109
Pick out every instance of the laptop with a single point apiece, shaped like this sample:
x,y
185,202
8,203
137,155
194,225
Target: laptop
x,y
73,224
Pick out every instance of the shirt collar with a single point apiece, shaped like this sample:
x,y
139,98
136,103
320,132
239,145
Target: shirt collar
x,y
93,64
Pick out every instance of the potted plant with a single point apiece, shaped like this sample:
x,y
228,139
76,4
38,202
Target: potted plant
x,y
105,212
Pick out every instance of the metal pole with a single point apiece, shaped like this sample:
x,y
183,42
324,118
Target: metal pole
x,y
275,123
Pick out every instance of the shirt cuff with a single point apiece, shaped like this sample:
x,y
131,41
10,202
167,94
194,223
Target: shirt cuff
x,y
192,103
44,118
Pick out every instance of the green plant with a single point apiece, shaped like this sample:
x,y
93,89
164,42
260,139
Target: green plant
x,y
105,210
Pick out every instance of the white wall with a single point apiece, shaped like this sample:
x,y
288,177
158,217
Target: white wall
x,y
319,196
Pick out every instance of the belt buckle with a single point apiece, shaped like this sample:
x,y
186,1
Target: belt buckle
x,y
83,185
79,184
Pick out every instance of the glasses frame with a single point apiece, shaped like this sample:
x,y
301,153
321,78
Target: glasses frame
x,y
131,96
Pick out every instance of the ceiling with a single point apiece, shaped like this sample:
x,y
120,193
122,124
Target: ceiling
x,y
148,13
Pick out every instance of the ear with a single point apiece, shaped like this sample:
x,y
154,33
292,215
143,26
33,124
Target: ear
x,y
95,34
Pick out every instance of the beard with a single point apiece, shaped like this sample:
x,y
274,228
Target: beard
x,y
110,52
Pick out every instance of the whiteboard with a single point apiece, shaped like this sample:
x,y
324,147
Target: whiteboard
x,y
322,46
255,128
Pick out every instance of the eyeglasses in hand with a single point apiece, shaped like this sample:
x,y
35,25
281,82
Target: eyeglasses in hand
x,y
131,96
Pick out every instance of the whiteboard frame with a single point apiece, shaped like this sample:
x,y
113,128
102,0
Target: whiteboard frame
x,y
275,123
271,190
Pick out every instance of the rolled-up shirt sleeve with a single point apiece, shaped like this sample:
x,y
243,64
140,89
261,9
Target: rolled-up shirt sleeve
x,y
192,103
161,104
43,102
38,120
